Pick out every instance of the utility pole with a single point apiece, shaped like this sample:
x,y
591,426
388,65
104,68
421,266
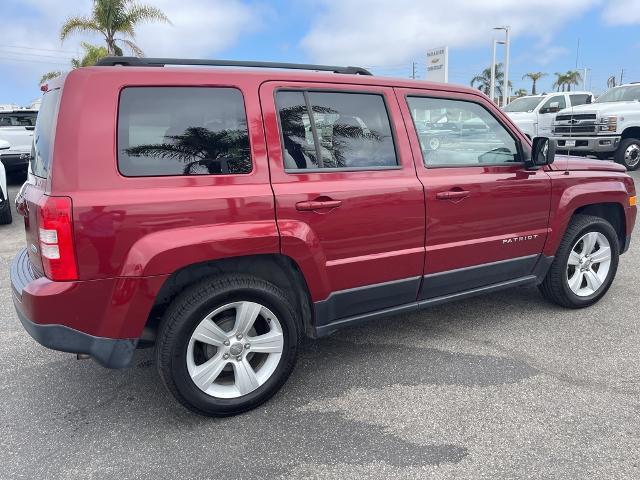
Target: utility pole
x,y
505,85
621,74
413,71
492,85
577,53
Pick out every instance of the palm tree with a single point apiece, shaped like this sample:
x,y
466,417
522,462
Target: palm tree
x,y
534,77
92,53
560,82
521,92
483,81
573,78
49,76
114,17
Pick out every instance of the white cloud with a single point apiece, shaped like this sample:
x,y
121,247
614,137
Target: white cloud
x,y
622,12
200,27
383,32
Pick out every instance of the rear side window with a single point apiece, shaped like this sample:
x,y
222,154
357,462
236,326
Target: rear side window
x,y
580,99
43,135
346,130
165,131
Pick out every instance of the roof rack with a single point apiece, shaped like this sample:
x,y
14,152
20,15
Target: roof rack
x,y
161,62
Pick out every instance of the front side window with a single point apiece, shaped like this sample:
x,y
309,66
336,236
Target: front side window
x,y
554,104
457,133
18,119
182,131
345,130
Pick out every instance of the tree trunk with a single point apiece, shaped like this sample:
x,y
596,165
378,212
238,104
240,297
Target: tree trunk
x,y
533,88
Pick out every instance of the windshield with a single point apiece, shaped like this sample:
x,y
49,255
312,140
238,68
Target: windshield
x,y
620,94
18,119
524,104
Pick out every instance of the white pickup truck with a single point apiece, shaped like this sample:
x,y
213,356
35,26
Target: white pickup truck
x,y
16,127
609,126
534,114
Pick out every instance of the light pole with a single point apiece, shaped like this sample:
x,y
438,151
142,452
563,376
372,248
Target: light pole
x,y
505,86
492,88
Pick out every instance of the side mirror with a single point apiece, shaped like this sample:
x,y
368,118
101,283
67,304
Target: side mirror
x,y
4,145
543,152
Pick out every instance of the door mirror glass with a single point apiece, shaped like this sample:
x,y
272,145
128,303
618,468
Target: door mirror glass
x,y
542,152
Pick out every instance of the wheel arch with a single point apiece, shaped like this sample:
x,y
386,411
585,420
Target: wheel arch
x,y
278,269
610,211
631,132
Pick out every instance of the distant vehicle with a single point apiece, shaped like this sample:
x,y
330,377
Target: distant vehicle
x,y
16,127
534,114
611,125
5,206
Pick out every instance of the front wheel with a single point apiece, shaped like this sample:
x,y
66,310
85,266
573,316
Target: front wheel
x,y
585,264
228,344
628,153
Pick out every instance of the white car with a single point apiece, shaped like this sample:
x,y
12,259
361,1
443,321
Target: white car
x,y
5,206
534,114
609,126
17,127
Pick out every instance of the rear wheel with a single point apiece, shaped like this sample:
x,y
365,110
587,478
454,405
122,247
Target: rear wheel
x,y
628,153
585,264
227,345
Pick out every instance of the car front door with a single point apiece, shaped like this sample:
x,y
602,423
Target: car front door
x,y
547,113
349,206
487,215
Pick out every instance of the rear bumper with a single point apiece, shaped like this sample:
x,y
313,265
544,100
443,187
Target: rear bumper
x,y
102,318
15,161
599,144
108,352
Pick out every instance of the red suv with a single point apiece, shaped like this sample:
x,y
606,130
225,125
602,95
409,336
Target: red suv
x,y
222,213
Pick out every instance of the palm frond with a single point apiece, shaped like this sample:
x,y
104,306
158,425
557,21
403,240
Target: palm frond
x,y
135,49
79,24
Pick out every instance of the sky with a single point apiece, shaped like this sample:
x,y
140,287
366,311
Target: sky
x,y
386,36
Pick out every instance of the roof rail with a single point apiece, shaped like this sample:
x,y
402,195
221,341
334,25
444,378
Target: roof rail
x,y
161,62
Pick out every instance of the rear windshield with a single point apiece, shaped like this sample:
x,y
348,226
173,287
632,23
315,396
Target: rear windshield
x,y
18,119
42,150
165,131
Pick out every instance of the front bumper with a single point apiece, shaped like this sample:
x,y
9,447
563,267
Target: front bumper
x,y
599,144
37,297
15,161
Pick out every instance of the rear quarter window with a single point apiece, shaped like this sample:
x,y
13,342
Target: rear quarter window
x,y
167,131
42,150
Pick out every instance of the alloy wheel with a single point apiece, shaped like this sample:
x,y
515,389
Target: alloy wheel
x,y
632,155
589,264
235,349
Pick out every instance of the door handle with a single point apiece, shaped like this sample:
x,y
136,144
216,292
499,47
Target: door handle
x,y
452,195
318,205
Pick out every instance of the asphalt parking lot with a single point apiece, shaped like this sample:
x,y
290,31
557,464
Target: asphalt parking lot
x,y
501,386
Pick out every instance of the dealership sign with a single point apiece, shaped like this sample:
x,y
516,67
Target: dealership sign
x,y
438,65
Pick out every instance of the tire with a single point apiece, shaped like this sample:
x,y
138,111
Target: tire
x,y
556,285
628,153
5,212
233,390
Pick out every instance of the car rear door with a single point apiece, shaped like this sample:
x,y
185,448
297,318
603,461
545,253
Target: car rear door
x,y
349,206
487,216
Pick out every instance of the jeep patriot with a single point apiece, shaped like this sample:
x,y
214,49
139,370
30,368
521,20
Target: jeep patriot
x,y
220,214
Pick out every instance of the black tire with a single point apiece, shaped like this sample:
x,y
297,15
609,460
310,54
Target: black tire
x,y
555,286
186,312
5,211
620,154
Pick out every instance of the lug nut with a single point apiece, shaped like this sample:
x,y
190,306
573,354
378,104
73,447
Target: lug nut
x,y
226,342
238,358
225,356
239,336
247,346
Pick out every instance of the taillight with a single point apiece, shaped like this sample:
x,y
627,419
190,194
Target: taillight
x,y
55,233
